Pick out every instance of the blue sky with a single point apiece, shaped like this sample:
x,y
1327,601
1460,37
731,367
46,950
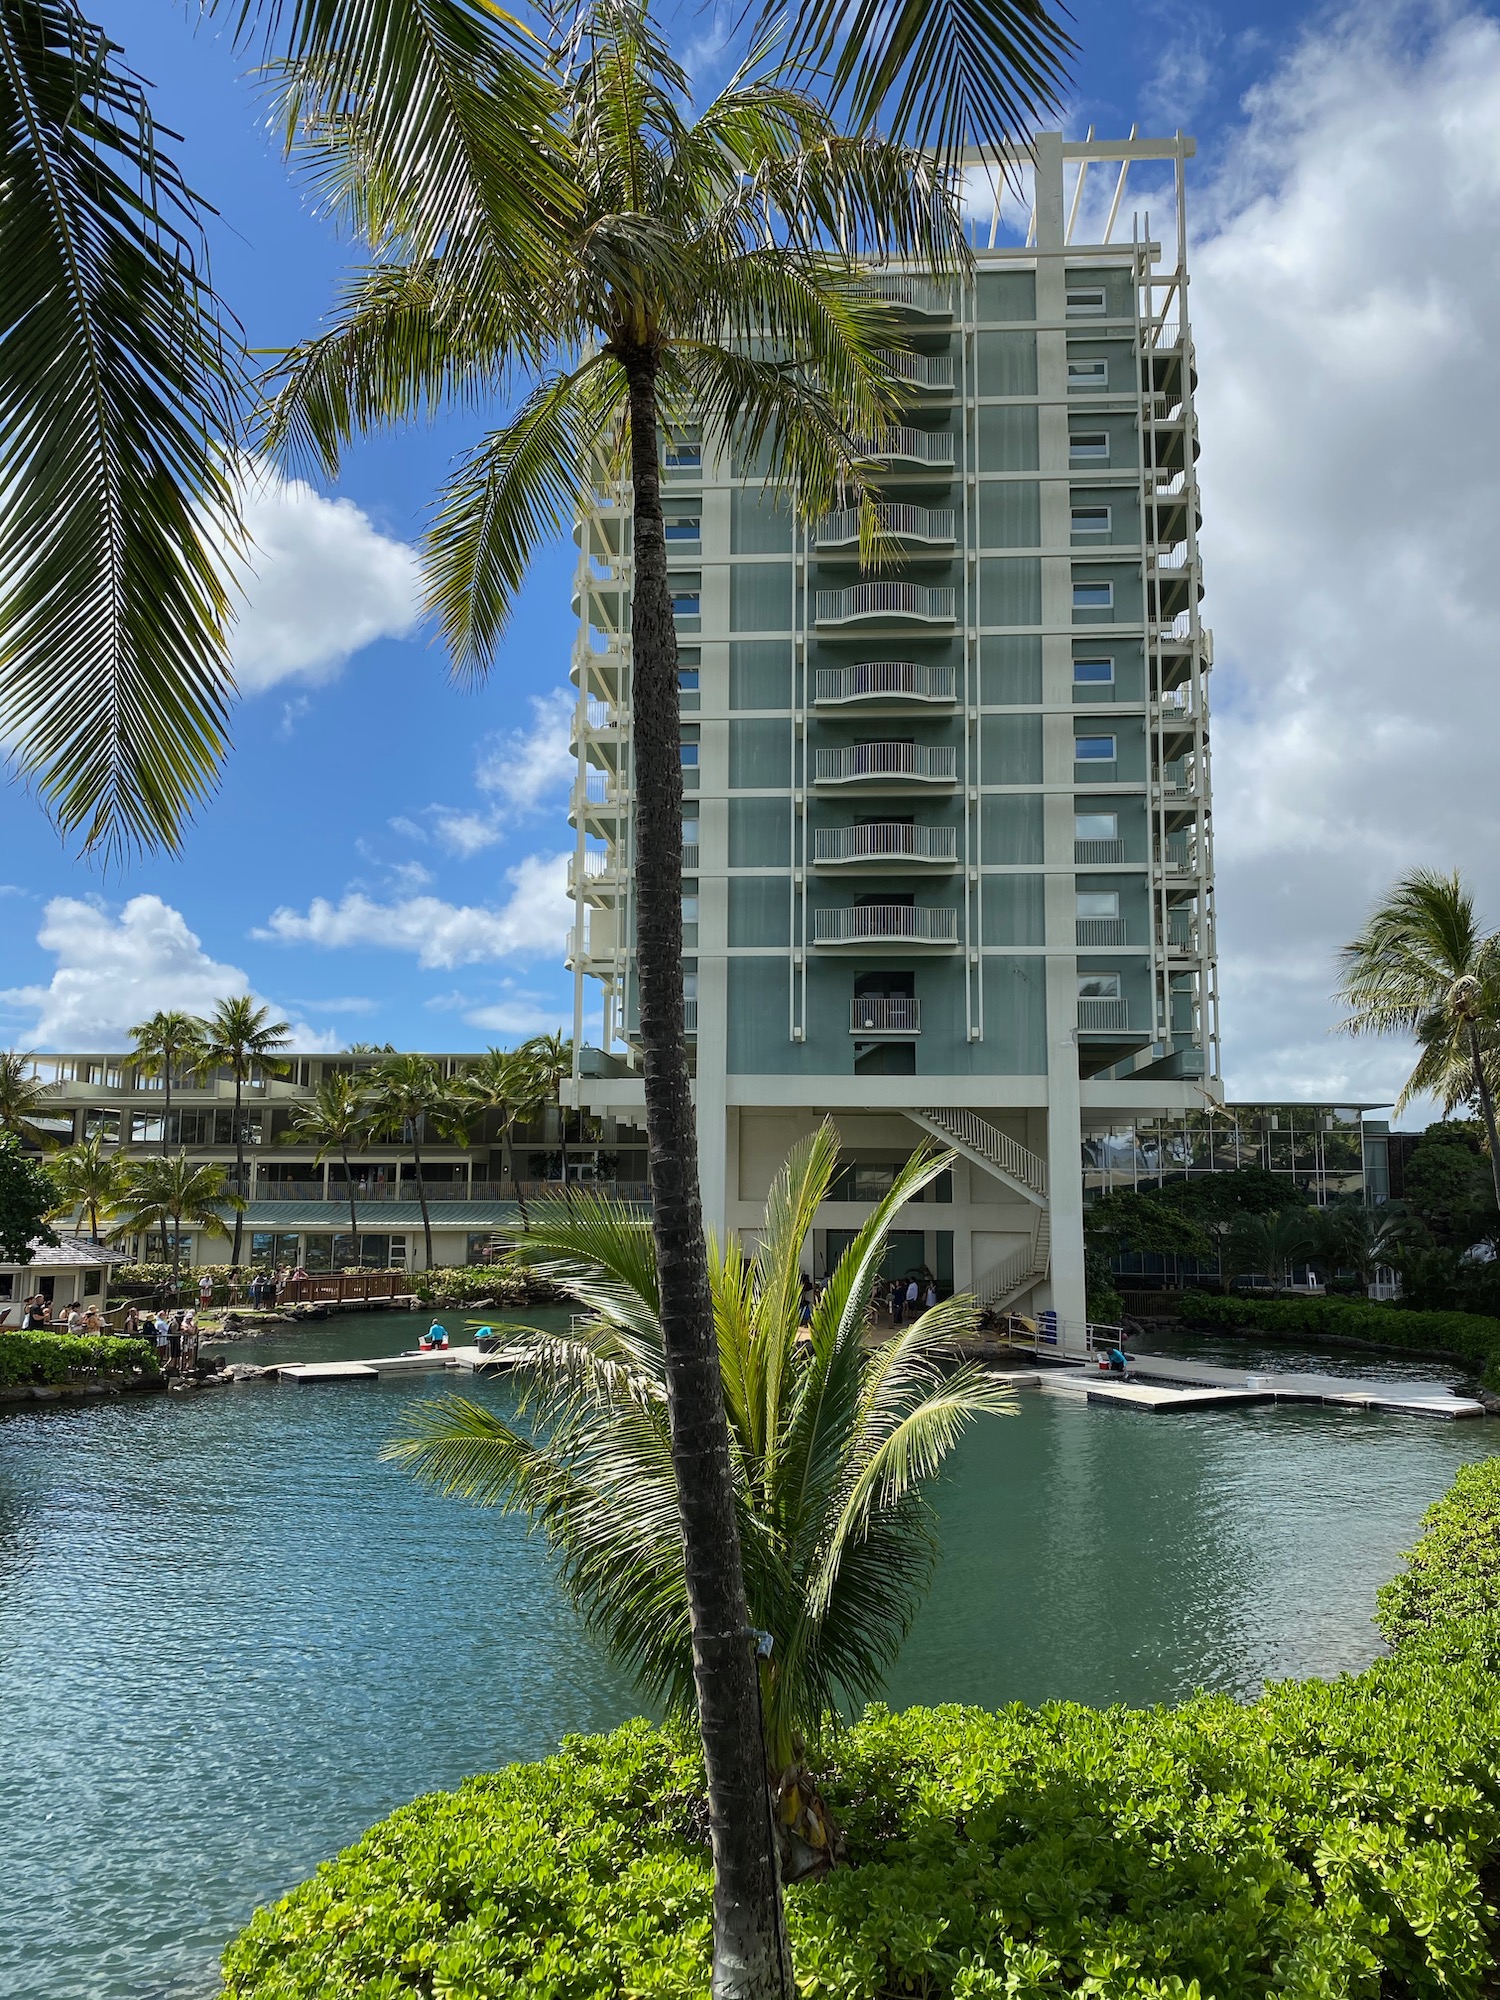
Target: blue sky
x,y
380,861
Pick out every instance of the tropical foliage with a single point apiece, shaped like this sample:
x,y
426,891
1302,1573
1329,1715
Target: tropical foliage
x,y
164,1194
1332,1839
339,1118
117,435
169,1045
834,1441
240,1036
42,1358
1424,966
28,1195
1471,1338
410,1098
24,1098
89,1182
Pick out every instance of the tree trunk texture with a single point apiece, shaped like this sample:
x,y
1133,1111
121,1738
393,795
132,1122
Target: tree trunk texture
x,y
239,1175
751,1958
1486,1105
416,1160
166,1119
353,1217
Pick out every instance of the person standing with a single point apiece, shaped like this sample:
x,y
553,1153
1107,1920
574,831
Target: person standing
x,y
913,1297
205,1291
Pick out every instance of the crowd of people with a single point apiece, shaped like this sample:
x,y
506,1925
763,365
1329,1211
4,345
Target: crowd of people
x,y
901,1300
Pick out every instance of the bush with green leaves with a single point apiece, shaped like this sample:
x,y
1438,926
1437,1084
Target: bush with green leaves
x,y
1467,1337
50,1358
1331,1841
452,1287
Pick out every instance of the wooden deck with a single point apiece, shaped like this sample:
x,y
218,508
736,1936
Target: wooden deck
x,y
433,1361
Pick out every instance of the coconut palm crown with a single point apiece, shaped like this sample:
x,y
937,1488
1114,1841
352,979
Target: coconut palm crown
x,y
834,1439
1423,965
24,1098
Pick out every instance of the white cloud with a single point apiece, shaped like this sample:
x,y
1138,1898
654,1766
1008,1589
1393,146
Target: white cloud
x,y
113,971
1347,311
323,582
527,765
533,922
513,1017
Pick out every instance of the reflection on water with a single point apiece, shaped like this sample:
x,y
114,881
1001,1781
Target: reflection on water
x,y
230,1637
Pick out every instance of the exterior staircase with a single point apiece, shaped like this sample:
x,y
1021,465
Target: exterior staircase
x,y
1020,1271
1022,1171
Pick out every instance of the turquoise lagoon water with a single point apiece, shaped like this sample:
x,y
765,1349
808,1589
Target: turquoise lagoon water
x,y
230,1637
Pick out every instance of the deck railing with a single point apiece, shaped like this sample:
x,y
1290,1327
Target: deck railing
x,y
1100,930
1103,1015
885,840
1098,852
906,441
867,678
908,523
928,762
885,923
885,1014
923,295
885,600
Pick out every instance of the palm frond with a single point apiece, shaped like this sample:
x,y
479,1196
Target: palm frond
x,y
119,382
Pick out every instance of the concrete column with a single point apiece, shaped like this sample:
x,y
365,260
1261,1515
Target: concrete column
x,y
1068,1296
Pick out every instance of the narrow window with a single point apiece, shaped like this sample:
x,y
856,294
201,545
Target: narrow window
x,y
1089,749
690,756
690,828
1091,520
686,603
1097,903
1087,299
1088,374
1098,985
1088,444
1093,596
687,680
684,527
1094,673
1096,826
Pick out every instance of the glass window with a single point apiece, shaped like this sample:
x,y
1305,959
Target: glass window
x,y
686,603
1088,374
1094,673
690,830
689,756
1098,903
1094,749
145,1128
1091,520
101,1125
690,909
686,450
1096,826
1093,596
687,680
1088,444
483,1250
1098,985
1089,299
684,527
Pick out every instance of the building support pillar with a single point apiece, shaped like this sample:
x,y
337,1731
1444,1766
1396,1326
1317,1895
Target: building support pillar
x,y
1069,1296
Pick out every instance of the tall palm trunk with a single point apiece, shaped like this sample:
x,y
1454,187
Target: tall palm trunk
x,y
349,1190
166,1121
1486,1105
515,1182
416,1155
751,1959
239,1173
176,1222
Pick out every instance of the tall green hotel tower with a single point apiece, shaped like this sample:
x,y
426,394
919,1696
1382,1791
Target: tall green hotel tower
x,y
949,869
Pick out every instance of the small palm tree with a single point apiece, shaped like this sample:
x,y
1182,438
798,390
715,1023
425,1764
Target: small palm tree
x,y
834,1441
1364,1240
242,1038
167,1045
23,1098
1269,1245
158,1193
505,1080
90,1181
551,1060
337,1118
410,1095
1424,966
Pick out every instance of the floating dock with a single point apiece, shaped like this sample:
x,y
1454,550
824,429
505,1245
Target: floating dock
x,y
1167,1382
423,1361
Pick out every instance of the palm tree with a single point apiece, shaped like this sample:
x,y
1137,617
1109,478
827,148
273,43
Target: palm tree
x,y
709,272
1269,1245
834,1441
1423,966
90,1180
337,1118
23,1098
409,1093
117,450
159,1192
505,1080
241,1037
551,1059
166,1046
1364,1240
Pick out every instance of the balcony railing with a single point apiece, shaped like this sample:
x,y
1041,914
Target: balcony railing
x,y
923,295
1100,930
1103,1016
923,371
886,840
906,523
905,441
380,1191
927,763
910,680
885,923
1182,937
1096,853
690,1017
886,600
885,1014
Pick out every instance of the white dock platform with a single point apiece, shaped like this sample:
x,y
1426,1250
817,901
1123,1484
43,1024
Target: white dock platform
x,y
424,1361
1164,1382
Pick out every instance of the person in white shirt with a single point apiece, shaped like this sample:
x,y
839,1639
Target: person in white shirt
x,y
913,1297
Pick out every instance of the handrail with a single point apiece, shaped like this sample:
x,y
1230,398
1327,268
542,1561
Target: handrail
x,y
885,1014
927,371
1098,851
905,441
1103,1014
1100,930
977,1135
885,677
879,922
887,760
885,599
925,524
885,840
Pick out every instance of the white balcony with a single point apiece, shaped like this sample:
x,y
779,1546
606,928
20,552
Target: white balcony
x,y
863,602
918,295
905,443
885,923
1104,1017
882,763
923,371
1098,853
1100,930
885,840
885,1015
932,526
884,680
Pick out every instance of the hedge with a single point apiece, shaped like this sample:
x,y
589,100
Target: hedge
x,y
504,1283
1327,1842
1468,1337
58,1357
1453,1574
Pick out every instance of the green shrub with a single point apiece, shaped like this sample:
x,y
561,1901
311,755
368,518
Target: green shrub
x,y
1326,1842
1465,1336
61,1357
1454,1571
454,1286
